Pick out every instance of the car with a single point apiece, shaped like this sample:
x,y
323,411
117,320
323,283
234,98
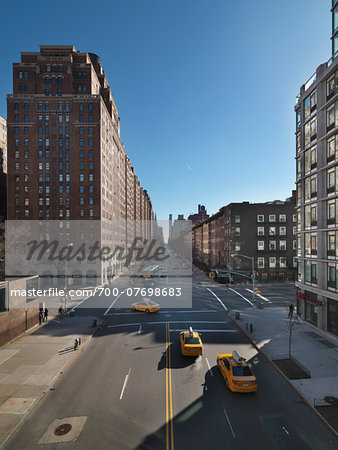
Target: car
x,y
175,266
237,373
191,343
163,273
147,305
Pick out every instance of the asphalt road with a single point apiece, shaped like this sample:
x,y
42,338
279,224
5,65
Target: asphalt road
x,y
137,391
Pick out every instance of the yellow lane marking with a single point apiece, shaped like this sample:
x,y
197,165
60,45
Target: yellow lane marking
x,y
169,395
166,387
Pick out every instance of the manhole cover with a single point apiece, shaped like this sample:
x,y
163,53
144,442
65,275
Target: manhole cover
x,y
63,429
331,400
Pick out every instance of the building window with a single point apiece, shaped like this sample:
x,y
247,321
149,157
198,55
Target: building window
x,y
282,245
307,107
237,218
282,231
294,245
260,231
298,168
307,191
332,279
282,261
237,231
81,130
272,245
260,245
298,145
272,231
332,250
332,180
260,262
272,217
272,262
260,218
298,121
282,217
237,247
331,117
330,87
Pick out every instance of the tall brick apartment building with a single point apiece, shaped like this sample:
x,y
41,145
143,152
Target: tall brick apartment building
x,y
265,231
66,160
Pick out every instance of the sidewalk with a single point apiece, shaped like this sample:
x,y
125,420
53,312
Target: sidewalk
x,y
29,366
315,350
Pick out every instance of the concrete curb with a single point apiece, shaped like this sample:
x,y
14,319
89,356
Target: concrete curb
x,y
284,377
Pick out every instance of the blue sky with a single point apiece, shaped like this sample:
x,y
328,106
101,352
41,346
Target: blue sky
x,y
205,89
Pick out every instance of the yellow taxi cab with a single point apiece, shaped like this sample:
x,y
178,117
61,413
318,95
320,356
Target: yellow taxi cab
x,y
237,373
191,343
175,266
146,305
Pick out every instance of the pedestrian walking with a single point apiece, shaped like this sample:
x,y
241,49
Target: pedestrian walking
x,y
40,317
291,309
46,314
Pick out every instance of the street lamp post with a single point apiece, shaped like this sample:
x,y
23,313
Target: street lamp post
x,y
252,271
70,245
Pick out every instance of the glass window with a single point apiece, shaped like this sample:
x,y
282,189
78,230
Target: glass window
x,y
307,137
260,245
282,245
330,116
260,231
282,261
272,262
260,218
272,217
307,216
298,168
237,218
282,231
307,192
282,217
313,128
298,146
272,245
298,121
260,262
307,108
330,87
335,18
272,231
